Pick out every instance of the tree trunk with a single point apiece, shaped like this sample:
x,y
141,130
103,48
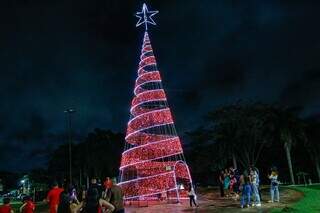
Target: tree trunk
x,y
287,148
80,177
88,182
234,160
317,162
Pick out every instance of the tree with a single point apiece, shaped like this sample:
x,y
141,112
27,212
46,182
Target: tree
x,y
100,153
312,143
203,155
240,131
58,163
97,156
290,129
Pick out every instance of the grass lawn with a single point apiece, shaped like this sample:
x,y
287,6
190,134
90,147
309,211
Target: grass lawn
x,y
309,203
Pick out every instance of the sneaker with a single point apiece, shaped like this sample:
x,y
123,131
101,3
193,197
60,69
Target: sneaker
x,y
270,201
253,205
242,206
248,206
258,205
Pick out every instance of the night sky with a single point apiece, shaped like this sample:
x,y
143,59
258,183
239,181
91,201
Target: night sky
x,y
84,54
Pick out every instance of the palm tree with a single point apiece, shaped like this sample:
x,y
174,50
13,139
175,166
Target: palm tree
x,y
312,143
290,129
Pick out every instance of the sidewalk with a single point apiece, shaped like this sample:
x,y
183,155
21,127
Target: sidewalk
x,y
210,202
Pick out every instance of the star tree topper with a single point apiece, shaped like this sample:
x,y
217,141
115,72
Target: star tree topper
x,y
145,17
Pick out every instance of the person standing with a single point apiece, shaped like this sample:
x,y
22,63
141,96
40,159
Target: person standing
x,y
246,191
94,184
106,194
68,204
226,182
237,184
91,203
192,196
28,206
64,203
53,197
116,196
221,183
233,182
274,187
255,186
6,207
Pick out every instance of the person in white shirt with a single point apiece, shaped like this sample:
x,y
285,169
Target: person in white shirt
x,y
192,196
255,186
274,187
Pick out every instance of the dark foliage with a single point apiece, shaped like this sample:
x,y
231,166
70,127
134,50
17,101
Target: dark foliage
x,y
253,134
98,156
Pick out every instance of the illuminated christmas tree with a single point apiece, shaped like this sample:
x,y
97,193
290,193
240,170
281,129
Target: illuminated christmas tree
x,y
153,165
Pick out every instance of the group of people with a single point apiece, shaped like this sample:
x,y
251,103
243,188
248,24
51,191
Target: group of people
x,y
97,199
108,197
27,206
229,182
247,186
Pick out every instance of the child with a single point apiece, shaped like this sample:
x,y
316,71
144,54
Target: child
x,y
28,206
6,207
246,192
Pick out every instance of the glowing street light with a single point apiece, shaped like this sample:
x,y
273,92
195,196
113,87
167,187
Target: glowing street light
x,y
69,112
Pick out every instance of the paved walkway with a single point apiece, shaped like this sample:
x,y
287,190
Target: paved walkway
x,y
210,202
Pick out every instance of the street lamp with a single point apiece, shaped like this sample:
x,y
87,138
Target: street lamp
x,y
69,112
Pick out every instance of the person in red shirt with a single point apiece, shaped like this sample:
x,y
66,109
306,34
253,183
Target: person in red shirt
x,y
28,206
6,207
53,197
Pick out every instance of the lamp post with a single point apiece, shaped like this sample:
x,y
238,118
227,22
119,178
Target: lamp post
x,y
69,112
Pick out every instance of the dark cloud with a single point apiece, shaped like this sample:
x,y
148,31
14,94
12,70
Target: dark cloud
x,y
303,92
229,75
